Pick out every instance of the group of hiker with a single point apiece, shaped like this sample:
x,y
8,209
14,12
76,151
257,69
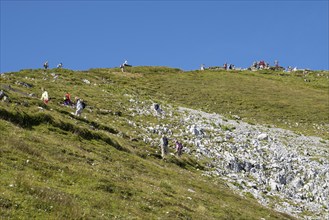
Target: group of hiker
x,y
46,65
60,65
228,66
164,144
256,65
259,65
79,103
164,141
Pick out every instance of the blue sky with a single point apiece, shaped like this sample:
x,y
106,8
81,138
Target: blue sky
x,y
183,34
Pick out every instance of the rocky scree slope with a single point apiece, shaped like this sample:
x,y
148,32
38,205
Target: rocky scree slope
x,y
281,169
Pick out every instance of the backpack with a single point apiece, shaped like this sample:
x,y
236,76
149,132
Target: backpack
x,y
165,141
83,104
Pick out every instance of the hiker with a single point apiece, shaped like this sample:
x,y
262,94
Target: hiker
x,y
261,64
202,67
80,106
255,65
157,108
2,94
164,146
267,66
194,130
276,63
122,67
44,96
59,66
179,148
225,66
45,65
67,99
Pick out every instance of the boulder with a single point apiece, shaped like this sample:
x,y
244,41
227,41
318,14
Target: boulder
x,y
262,136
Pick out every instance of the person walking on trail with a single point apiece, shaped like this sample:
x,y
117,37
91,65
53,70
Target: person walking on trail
x,y
80,106
164,146
44,96
179,148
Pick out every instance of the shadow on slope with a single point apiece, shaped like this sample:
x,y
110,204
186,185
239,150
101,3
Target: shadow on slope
x,y
28,121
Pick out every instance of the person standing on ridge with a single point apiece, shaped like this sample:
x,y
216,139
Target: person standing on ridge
x,y
45,65
276,63
225,66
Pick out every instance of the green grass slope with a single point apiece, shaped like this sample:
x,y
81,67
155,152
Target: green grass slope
x,y
297,101
54,165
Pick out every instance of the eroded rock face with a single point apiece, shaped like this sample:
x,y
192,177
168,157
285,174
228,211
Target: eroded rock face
x,y
281,169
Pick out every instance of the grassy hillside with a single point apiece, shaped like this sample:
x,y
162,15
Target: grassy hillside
x,y
55,165
296,101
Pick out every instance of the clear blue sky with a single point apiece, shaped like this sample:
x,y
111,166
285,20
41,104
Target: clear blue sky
x,y
183,34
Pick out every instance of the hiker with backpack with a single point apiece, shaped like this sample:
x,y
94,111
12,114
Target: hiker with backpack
x,y
164,146
179,148
79,106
